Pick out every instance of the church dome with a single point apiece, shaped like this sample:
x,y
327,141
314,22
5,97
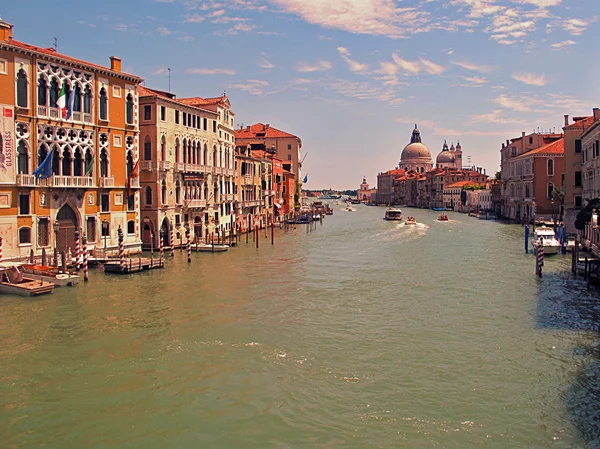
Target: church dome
x,y
415,150
445,157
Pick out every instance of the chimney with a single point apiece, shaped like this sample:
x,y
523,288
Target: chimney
x,y
503,145
566,119
5,31
596,114
267,126
115,63
522,133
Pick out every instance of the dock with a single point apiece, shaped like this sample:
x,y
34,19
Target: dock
x,y
131,265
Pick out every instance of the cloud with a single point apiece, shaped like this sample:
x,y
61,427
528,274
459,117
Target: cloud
x,y
318,67
562,44
521,103
575,26
431,67
494,117
253,87
265,64
163,31
353,65
211,71
195,18
162,71
472,66
477,80
410,66
530,78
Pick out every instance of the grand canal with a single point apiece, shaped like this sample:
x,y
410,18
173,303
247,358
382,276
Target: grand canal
x,y
361,334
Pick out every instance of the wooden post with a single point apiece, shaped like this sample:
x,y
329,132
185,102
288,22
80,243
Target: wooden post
x,y
85,258
256,236
272,233
212,235
31,257
189,246
121,251
77,250
44,257
63,261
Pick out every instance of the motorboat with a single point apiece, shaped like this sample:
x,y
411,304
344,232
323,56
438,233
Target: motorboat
x,y
411,221
349,207
50,274
209,248
545,236
393,213
13,282
442,217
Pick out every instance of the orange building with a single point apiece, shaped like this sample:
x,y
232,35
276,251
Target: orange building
x,y
91,144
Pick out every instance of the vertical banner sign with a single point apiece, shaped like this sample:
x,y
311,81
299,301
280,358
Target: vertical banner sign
x,y
7,144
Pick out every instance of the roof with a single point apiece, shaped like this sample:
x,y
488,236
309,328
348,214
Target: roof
x,y
460,184
154,93
580,122
261,130
396,171
552,149
50,52
195,101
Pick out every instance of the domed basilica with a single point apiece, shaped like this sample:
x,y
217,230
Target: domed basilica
x,y
416,156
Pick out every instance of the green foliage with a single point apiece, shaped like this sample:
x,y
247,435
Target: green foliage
x,y
498,176
475,187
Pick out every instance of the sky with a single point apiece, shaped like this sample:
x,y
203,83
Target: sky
x,y
351,78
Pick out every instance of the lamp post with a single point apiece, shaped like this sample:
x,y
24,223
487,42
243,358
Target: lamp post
x,y
105,234
56,230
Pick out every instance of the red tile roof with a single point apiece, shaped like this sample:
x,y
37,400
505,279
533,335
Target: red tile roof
x,y
53,54
251,132
583,122
552,149
194,101
460,184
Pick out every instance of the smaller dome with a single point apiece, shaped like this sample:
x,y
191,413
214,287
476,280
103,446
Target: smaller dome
x,y
445,157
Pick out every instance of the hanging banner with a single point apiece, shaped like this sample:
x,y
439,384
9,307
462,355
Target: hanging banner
x,y
7,144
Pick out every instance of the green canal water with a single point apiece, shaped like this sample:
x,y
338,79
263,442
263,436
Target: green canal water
x,y
361,334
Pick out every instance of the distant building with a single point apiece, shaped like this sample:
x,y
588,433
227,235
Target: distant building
x,y
450,157
385,185
415,156
589,177
365,194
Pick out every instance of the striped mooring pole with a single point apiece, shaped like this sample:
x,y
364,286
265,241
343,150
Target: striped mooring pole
x,y
172,240
539,259
85,259
161,248
189,245
77,250
121,250
0,249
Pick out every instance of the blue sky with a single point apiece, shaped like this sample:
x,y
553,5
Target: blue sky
x,y
352,77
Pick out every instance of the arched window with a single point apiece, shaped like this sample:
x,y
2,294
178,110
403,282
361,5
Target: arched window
x,y
78,163
149,195
103,163
550,190
103,104
89,163
163,149
198,150
42,153
22,156
22,89
185,151
55,160
550,167
42,91
147,149
129,109
54,91
177,193
163,192
176,150
66,162
77,98
87,100
129,162
214,161
193,147
205,155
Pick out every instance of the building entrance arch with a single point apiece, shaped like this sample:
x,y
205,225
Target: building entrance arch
x,y
68,222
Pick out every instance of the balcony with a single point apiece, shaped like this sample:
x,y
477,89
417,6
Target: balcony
x,y
252,203
54,113
217,170
248,179
74,182
106,183
179,166
268,193
26,180
146,165
165,165
196,204
228,171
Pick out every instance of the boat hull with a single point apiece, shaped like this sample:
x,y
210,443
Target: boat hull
x,y
29,287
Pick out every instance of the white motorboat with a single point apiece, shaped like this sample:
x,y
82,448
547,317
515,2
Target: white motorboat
x,y
411,221
393,213
12,282
545,235
349,207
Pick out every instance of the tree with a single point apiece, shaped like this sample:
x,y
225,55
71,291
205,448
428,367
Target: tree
x,y
498,176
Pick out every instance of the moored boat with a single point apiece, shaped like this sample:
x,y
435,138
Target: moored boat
x,y
411,221
393,213
208,248
442,217
545,236
13,282
49,274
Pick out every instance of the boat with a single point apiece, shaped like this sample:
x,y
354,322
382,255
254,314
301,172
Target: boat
x,y
411,221
442,217
50,274
439,209
13,282
545,236
349,207
393,213
208,248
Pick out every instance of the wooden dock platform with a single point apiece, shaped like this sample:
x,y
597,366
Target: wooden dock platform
x,y
132,265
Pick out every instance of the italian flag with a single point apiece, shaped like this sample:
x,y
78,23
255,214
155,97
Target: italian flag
x,y
62,101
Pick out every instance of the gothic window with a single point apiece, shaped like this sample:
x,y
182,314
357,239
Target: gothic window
x,y
176,150
147,149
129,163
103,104
184,151
77,99
66,162
164,193
89,163
42,91
177,193
214,161
129,109
149,195
163,149
22,89
55,160
78,163
550,190
205,155
103,163
54,91
198,147
42,153
87,100
23,158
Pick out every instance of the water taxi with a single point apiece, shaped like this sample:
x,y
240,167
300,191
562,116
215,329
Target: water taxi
x,y
411,221
349,207
12,282
393,213
50,274
442,217
545,236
